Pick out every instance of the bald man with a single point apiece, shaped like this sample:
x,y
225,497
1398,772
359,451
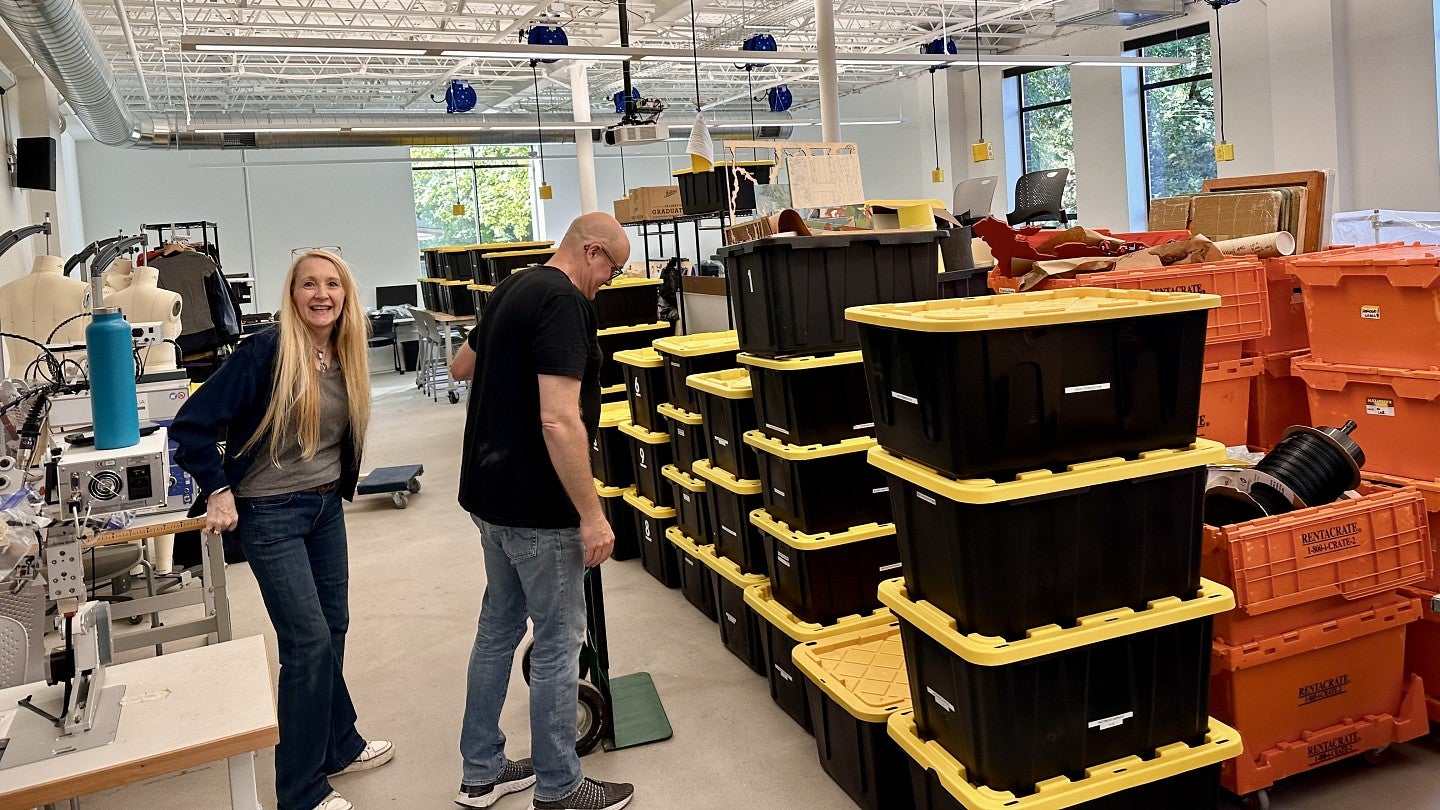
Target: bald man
x,y
525,480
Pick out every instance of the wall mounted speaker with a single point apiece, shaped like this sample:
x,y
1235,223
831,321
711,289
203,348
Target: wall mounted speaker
x,y
35,163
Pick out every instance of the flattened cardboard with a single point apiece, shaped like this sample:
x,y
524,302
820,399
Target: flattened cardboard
x,y
1221,216
1170,214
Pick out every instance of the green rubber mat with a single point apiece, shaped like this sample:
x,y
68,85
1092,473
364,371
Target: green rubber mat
x,y
639,717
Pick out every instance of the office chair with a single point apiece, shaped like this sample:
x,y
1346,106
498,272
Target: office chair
x,y
973,199
1039,197
382,333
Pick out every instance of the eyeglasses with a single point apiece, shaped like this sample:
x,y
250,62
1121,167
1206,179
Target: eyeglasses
x,y
616,269
302,251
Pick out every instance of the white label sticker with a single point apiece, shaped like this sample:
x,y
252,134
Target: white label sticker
x,y
1082,389
1370,313
686,496
879,490
865,425
721,441
675,363
940,701
689,561
890,567
729,531
777,428
142,404
904,397
680,431
779,493
787,676
1376,406
1110,722
730,619
926,498
782,559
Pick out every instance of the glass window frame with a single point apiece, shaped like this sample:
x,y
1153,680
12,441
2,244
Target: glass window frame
x,y
1024,110
1137,47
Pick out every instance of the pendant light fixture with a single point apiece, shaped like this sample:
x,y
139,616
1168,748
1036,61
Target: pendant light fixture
x,y
1224,150
982,150
458,209
546,193
937,174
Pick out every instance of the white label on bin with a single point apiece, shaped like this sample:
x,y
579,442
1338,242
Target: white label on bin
x,y
729,531
890,567
730,619
866,425
679,431
722,442
689,561
749,281
675,364
879,490
1370,313
905,397
1375,406
940,701
782,559
1110,722
926,498
779,493
686,496
787,676
1084,389
777,428
595,445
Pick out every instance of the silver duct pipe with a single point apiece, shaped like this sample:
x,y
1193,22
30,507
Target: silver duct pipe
x,y
64,46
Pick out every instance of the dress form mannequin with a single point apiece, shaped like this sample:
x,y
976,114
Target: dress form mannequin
x,y
117,275
144,302
34,305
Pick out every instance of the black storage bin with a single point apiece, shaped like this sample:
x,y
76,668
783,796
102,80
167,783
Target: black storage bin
x,y
1003,558
453,262
649,453
687,436
731,502
858,681
965,283
796,288
500,265
695,576
614,393
709,192
461,302
610,449
823,578
821,488
410,352
782,631
430,261
430,294
1180,778
687,355
990,387
479,297
627,300
727,411
618,339
692,504
955,253
657,554
739,624
644,380
621,519
1018,713
810,400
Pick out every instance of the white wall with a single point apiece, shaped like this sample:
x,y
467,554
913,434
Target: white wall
x,y
266,203
31,110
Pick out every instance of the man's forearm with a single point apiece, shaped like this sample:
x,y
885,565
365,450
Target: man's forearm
x,y
570,455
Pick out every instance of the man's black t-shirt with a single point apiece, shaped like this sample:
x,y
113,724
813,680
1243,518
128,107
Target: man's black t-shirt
x,y
536,323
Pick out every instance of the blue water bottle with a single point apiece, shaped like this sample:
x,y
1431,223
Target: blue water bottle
x,y
111,352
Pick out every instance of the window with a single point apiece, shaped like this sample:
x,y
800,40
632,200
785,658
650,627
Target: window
x,y
1047,124
492,182
1177,106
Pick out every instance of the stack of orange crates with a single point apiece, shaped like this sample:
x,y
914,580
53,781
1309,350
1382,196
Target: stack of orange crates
x,y
1310,666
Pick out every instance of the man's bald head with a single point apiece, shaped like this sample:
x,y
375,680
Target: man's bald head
x,y
597,228
594,247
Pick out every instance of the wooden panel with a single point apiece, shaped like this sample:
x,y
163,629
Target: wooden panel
x,y
1314,184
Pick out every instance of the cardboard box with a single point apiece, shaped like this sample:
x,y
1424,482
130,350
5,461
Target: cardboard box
x,y
1170,214
655,203
624,211
1224,215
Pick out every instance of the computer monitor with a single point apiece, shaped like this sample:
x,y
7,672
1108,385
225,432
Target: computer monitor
x,y
396,295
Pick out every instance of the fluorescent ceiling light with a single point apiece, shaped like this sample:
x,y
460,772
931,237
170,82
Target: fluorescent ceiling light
x,y
533,53
550,127
342,50
258,130
417,129
738,58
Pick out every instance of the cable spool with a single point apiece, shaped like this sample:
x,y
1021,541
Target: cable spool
x,y
1309,467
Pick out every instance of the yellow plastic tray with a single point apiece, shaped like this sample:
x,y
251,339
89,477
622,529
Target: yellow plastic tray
x,y
686,543
630,281
724,479
1221,743
726,164
639,358
613,414
730,383
992,651
634,431
1044,482
799,363
675,414
762,600
605,491
689,482
727,568
639,327
700,343
863,671
795,452
505,254
767,523
485,288
648,507
1021,310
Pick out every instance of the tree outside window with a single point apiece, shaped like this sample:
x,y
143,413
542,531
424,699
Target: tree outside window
x,y
492,182
1047,123
1178,110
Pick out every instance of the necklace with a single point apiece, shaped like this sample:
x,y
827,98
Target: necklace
x,y
321,359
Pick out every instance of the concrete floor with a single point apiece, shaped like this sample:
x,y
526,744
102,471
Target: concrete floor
x,y
416,583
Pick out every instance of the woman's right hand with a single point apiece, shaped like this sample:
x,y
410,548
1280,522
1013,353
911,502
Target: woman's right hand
x,y
220,514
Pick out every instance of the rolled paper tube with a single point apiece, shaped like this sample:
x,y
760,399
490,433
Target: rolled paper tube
x,y
1264,246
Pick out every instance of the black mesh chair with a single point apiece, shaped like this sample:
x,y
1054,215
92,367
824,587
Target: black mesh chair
x,y
382,333
1039,197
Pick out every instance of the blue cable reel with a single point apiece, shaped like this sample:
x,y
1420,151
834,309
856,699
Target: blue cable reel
x,y
547,35
758,43
780,98
459,97
939,47
619,98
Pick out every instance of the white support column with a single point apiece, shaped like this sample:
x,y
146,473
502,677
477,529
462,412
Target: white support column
x,y
584,146
829,82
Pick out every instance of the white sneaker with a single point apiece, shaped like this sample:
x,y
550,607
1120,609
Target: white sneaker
x,y
334,802
375,754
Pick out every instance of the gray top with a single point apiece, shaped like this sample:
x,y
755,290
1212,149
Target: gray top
x,y
292,473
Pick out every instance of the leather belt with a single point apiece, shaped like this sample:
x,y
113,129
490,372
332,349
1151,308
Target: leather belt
x,y
320,489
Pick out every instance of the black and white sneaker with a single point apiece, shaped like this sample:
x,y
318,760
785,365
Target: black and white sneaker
x,y
592,795
514,778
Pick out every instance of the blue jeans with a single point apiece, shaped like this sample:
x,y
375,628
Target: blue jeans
x,y
295,545
539,574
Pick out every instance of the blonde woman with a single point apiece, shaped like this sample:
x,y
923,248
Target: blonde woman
x,y
293,403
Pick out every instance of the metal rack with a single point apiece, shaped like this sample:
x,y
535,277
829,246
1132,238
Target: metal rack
x,y
659,230
209,235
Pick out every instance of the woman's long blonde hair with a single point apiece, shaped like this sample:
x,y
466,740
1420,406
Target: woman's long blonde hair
x,y
294,412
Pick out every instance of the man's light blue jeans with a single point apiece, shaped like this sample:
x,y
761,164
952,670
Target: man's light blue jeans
x,y
536,574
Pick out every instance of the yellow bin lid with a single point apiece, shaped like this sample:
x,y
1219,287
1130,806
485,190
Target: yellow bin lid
x,y
675,414
455,282
639,433
730,383
699,344
726,164
612,414
799,363
631,281
482,287
762,599
992,651
724,479
767,523
795,452
1044,482
1022,310
1221,743
639,358
727,568
685,480
686,543
506,254
617,388
610,492
863,671
430,280
647,507
638,327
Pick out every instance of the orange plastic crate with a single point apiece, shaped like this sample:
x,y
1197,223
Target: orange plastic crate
x,y
1278,399
1397,411
1431,491
1377,307
1287,303
1351,549
1225,400
1422,649
1280,689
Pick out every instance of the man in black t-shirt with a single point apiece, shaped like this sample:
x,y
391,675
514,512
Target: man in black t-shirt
x,y
525,480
